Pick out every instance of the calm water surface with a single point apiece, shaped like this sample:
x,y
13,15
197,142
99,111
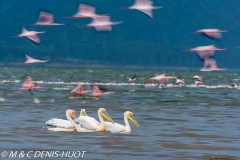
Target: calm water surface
x,y
175,123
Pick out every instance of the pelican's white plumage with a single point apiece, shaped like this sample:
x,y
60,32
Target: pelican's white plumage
x,y
118,128
90,123
62,123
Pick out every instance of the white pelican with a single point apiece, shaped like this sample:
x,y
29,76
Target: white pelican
x,y
211,33
205,51
32,60
118,128
102,23
131,79
89,124
85,11
62,123
144,6
46,19
32,35
211,65
67,126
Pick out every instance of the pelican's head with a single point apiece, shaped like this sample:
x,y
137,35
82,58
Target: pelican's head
x,y
103,113
129,116
71,113
83,112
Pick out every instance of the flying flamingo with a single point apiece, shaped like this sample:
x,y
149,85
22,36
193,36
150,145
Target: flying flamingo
x,y
102,23
162,79
211,33
198,80
144,6
79,90
32,35
85,11
211,65
46,19
97,92
28,85
205,51
32,60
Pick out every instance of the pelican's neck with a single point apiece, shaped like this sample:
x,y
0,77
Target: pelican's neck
x,y
70,120
102,126
128,128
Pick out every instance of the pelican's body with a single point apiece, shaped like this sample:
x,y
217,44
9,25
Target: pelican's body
x,y
85,11
32,60
211,33
90,123
211,65
144,6
118,128
62,123
66,125
32,35
46,19
102,23
205,51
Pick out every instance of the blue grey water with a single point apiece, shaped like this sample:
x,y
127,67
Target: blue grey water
x,y
175,123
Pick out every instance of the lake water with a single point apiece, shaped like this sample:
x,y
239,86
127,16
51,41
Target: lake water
x,y
176,123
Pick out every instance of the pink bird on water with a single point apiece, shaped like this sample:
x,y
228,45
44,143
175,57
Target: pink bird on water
x,y
28,85
79,90
97,92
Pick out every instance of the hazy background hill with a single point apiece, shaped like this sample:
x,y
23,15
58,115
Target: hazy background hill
x,y
139,41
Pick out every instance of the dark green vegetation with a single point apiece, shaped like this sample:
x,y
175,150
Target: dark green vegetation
x,y
139,41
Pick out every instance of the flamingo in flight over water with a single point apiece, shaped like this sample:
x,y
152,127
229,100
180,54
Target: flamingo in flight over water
x,y
32,60
85,11
97,92
205,51
46,19
32,35
211,33
28,85
102,23
144,6
79,90
211,65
